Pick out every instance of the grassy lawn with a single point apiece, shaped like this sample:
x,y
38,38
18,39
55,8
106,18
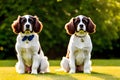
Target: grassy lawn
x,y
102,70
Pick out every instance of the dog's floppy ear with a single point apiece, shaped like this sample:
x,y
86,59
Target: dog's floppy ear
x,y
16,25
70,28
38,25
91,28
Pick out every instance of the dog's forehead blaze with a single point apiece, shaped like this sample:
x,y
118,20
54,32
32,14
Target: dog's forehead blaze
x,y
80,18
27,18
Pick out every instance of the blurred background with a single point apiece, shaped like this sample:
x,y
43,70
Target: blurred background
x,y
54,14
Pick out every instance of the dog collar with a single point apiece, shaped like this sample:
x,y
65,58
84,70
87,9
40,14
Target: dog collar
x,y
29,38
81,37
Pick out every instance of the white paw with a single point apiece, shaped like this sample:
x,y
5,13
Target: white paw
x,y
72,71
20,71
87,71
34,72
42,72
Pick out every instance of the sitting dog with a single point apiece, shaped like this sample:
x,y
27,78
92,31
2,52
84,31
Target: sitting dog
x,y
30,56
80,46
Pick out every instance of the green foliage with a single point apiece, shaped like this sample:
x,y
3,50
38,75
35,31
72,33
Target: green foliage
x,y
54,14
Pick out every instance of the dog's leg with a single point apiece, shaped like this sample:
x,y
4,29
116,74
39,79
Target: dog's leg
x,y
20,68
72,63
87,61
65,64
87,66
35,64
44,65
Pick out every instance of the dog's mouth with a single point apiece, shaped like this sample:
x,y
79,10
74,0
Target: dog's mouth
x,y
81,31
27,31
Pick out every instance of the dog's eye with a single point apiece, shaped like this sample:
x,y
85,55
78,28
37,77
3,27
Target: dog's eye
x,y
85,21
77,21
31,20
23,20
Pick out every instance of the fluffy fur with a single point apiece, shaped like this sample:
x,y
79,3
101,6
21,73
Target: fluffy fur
x,y
30,56
80,46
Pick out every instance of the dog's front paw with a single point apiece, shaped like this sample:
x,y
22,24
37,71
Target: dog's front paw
x,y
72,71
34,72
87,71
21,71
42,72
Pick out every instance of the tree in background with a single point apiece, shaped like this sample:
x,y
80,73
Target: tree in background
x,y
54,14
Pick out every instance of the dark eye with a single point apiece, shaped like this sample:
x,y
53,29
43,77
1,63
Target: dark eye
x,y
77,20
23,20
31,20
85,21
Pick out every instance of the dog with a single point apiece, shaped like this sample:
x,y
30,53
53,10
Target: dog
x,y
30,56
80,46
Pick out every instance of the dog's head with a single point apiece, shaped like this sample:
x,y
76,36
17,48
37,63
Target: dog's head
x,y
80,24
27,24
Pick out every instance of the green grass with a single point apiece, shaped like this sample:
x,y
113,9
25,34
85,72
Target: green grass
x,y
102,70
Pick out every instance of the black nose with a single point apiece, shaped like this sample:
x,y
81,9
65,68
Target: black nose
x,y
81,26
27,26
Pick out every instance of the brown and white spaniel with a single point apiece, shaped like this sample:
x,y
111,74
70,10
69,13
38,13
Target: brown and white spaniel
x,y
80,46
30,56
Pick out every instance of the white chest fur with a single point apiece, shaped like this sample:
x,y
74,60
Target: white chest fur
x,y
80,49
79,57
27,56
27,48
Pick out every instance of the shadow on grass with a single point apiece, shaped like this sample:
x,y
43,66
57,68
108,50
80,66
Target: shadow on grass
x,y
104,76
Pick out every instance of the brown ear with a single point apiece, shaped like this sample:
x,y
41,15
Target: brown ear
x,y
16,25
70,28
38,25
91,28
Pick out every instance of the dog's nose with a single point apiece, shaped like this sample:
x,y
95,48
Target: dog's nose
x,y
81,26
27,26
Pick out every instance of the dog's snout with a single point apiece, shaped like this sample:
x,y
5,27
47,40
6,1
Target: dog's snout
x,y
27,26
81,26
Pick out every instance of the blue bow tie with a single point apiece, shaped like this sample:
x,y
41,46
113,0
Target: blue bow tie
x,y
29,38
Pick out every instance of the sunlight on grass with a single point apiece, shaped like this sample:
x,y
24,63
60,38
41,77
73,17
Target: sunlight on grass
x,y
99,72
